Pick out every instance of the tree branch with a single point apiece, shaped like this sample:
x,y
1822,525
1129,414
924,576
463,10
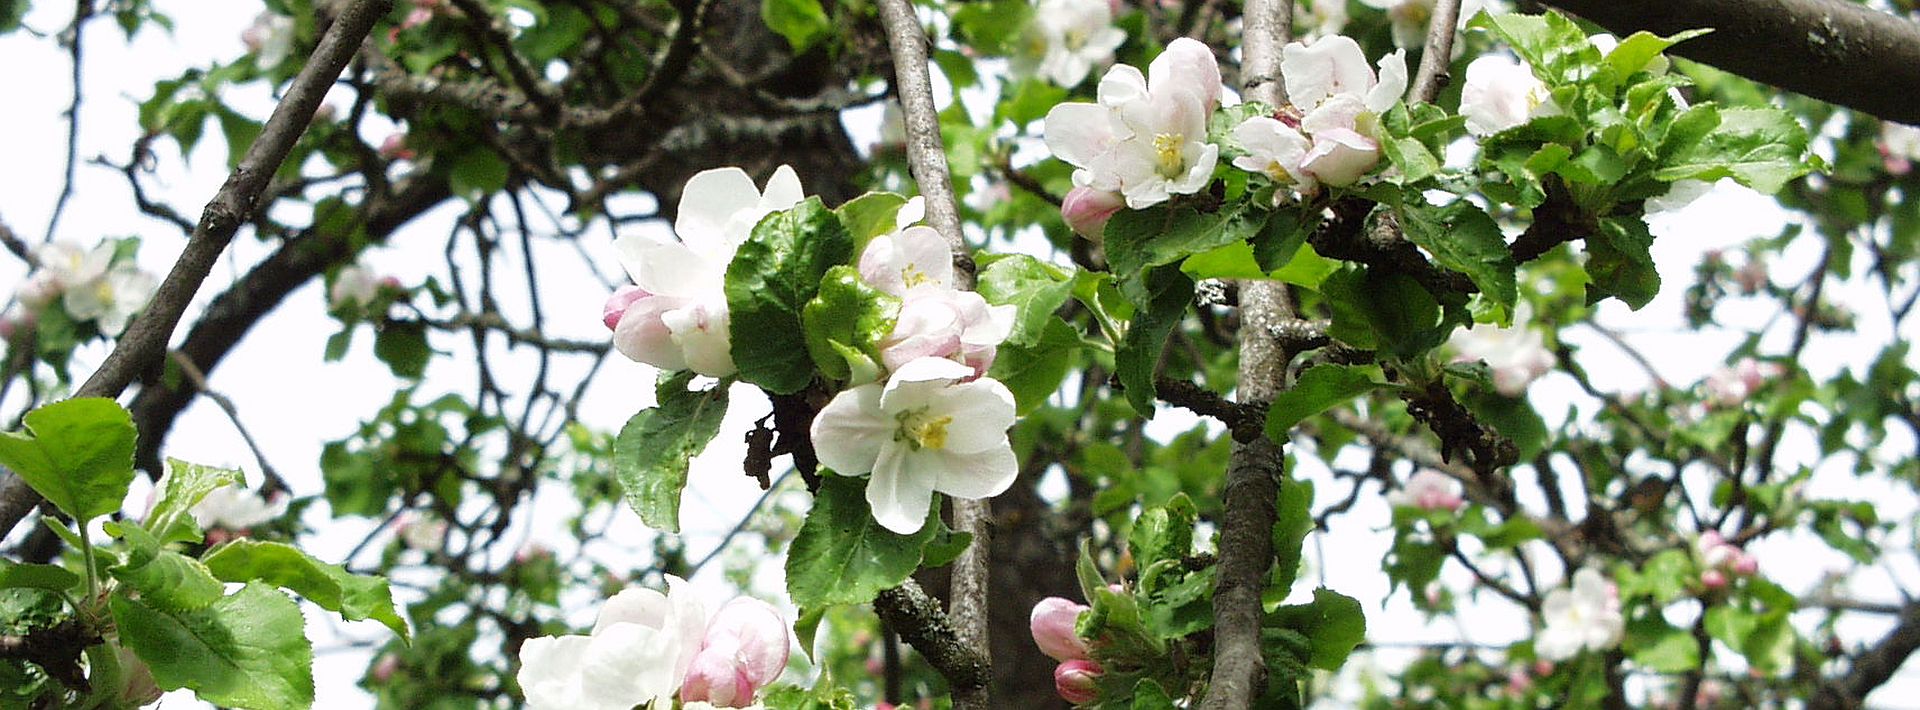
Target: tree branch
x,y
1432,75
1873,667
1814,47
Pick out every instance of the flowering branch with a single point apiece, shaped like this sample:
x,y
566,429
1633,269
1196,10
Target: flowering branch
x,y
967,598
145,340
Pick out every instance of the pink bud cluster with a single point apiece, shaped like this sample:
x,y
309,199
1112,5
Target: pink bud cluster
x,y
1721,560
1053,625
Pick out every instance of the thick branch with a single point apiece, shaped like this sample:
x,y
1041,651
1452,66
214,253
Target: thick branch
x,y
917,618
1842,52
1432,75
1873,666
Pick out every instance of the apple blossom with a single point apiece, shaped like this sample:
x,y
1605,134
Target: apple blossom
x,y
384,668
1517,355
394,147
1730,387
931,427
743,649
637,654
946,323
1319,18
113,299
1146,138
270,38
1053,626
1276,150
1720,558
1584,617
1409,19
1077,681
1501,93
38,290
1066,39
1087,210
236,508
1428,489
679,319
911,260
355,286
422,532
1899,146
1342,98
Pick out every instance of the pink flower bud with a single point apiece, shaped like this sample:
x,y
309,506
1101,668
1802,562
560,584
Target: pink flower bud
x,y
1076,681
1713,579
744,650
618,302
8,326
1052,624
1086,210
395,147
1746,565
1752,277
875,666
384,668
1542,668
390,282
1518,682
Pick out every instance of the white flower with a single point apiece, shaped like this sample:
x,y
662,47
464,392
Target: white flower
x,y
1342,98
946,323
1501,93
270,37
1319,18
638,653
67,265
236,508
1276,150
1731,386
110,301
1066,39
1517,355
914,259
678,319
1899,146
355,285
1146,138
423,533
1584,617
1428,490
925,430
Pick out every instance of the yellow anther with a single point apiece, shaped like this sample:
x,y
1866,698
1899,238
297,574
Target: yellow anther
x,y
1166,149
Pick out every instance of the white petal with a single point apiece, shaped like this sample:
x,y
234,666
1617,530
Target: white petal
x,y
710,199
666,267
634,605
1393,82
982,474
550,671
783,190
848,433
1331,65
917,383
704,335
1121,86
982,411
627,665
1188,64
1340,157
899,493
688,625
642,336
1078,133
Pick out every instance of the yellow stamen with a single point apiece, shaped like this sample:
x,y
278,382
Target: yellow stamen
x,y
920,432
1166,148
912,276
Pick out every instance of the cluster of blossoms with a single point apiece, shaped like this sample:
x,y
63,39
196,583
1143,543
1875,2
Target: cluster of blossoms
x,y
1066,39
1731,387
90,285
232,511
647,647
357,287
1428,489
1146,138
1053,623
1899,146
1720,560
1517,355
936,423
1586,616
1330,134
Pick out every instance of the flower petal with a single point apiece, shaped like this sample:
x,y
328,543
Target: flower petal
x,y
550,671
982,411
899,492
710,199
642,336
634,605
981,474
850,431
1078,133
1393,82
1187,63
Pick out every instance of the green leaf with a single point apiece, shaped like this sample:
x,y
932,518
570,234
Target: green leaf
x,y
477,173
1386,310
654,449
869,215
1034,288
248,650
1762,148
79,455
1167,294
772,277
354,597
1659,646
1148,695
1639,48
1292,521
1321,387
1332,623
1034,371
1164,234
845,323
802,22
1463,238
1620,262
1556,47
402,345
52,578
1163,532
186,483
842,555
992,27
164,578
10,13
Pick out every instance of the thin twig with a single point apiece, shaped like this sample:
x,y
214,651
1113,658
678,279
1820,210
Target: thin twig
x,y
82,11
199,379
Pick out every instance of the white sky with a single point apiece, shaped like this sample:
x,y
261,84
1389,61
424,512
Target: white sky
x,y
293,402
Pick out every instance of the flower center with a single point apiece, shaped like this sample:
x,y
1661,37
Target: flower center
x,y
912,276
1075,39
1279,173
920,431
1166,151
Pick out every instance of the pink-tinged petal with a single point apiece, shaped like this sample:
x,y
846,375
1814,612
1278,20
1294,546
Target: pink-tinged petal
x,y
985,325
758,634
1393,82
667,267
1187,63
642,335
714,678
617,304
926,260
688,624
935,371
1078,133
1052,624
982,411
1498,94
1341,157
900,493
1087,210
1077,681
709,201
849,433
977,475
1331,65
1338,112
1122,85
704,336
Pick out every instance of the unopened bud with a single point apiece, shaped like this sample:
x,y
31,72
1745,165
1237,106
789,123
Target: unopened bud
x,y
1052,623
1087,210
1077,681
